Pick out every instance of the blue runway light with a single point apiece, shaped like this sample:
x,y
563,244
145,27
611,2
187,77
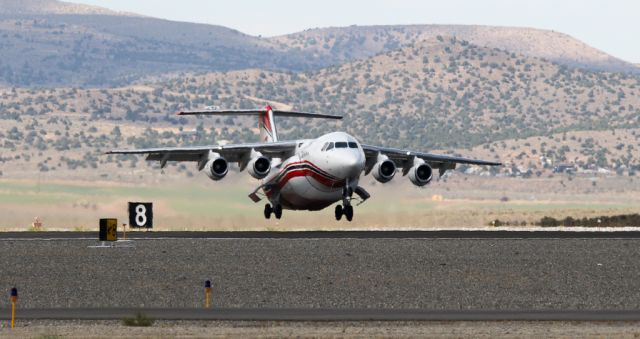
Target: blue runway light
x,y
14,292
207,284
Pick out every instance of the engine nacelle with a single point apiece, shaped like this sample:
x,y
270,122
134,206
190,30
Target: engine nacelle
x,y
384,170
259,167
216,167
420,174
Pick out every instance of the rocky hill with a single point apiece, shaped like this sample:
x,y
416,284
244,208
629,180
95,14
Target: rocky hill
x,y
441,93
347,43
52,43
103,48
46,7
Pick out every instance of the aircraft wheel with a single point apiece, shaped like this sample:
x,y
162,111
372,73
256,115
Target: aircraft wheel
x,y
278,211
267,211
348,212
338,212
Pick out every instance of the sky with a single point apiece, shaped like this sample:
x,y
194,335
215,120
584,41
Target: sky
x,y
612,26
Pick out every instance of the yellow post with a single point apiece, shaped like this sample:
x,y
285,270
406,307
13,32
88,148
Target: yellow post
x,y
14,300
13,314
207,294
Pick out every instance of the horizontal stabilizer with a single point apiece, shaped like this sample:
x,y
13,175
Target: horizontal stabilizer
x,y
276,112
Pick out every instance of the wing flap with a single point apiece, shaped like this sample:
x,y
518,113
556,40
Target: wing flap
x,y
175,156
233,153
403,158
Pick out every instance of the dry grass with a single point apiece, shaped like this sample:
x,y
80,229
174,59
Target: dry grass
x,y
199,204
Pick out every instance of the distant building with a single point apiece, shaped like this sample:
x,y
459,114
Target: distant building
x,y
545,162
565,168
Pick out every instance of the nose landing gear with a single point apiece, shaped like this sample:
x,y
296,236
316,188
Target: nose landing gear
x,y
347,209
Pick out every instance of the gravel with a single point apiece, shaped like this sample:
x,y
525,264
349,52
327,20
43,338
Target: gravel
x,y
280,329
451,274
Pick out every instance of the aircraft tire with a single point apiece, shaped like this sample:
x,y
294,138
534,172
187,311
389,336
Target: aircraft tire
x,y
348,212
277,210
267,211
338,212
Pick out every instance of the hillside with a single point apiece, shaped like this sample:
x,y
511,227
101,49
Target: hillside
x,y
443,94
447,92
100,48
46,7
56,44
604,152
347,43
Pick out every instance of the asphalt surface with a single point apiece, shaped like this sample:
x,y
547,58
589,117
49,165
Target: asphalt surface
x,y
271,314
443,234
354,275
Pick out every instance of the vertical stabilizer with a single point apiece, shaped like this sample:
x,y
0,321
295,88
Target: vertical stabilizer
x,y
267,125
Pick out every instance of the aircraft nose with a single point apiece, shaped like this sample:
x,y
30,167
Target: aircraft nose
x,y
349,162
351,166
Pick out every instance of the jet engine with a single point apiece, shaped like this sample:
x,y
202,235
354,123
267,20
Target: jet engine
x,y
259,166
216,167
384,169
420,174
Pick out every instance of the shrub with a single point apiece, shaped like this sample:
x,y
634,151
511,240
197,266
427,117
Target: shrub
x,y
549,222
139,320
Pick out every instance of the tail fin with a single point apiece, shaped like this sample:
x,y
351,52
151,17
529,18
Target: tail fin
x,y
267,125
266,118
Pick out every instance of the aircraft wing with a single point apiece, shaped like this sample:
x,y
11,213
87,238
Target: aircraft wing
x,y
404,158
232,153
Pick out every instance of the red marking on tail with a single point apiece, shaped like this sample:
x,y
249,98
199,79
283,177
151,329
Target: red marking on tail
x,y
266,122
267,132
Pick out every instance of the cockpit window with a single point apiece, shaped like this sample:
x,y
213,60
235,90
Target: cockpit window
x,y
341,144
353,144
330,146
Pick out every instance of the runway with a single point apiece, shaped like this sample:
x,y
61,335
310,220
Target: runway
x,y
292,314
435,272
436,234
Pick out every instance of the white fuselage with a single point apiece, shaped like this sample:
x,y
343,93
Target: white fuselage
x,y
318,174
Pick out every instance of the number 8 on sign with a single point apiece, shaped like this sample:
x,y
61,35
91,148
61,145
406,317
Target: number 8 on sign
x,y
140,214
141,217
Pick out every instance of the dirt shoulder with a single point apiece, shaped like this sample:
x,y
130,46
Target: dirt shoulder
x,y
202,329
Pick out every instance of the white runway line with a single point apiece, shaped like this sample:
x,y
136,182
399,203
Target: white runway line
x,y
503,228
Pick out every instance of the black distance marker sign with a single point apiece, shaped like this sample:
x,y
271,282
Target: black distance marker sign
x,y
141,214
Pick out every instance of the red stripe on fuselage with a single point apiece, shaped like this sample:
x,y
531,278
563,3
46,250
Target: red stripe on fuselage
x,y
305,172
303,162
319,175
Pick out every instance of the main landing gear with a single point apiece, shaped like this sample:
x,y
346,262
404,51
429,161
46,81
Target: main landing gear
x,y
347,209
277,211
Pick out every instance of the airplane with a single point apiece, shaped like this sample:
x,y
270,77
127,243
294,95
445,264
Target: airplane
x,y
306,174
